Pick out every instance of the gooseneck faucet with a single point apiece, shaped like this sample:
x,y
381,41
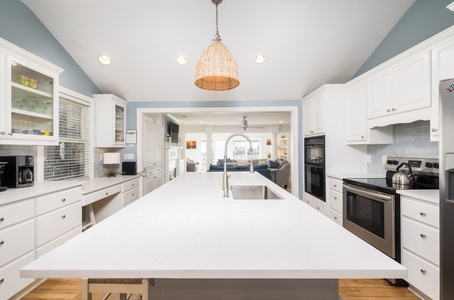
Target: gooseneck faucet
x,y
225,178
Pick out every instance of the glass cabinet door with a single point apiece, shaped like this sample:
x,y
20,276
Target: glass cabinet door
x,y
32,103
119,124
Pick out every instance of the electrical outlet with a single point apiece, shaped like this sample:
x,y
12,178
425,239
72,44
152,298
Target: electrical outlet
x,y
131,155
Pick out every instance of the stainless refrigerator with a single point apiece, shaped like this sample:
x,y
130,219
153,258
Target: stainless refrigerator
x,y
447,189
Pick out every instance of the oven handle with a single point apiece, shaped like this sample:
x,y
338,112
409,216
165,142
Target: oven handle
x,y
368,193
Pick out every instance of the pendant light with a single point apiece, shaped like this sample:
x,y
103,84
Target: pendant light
x,y
217,69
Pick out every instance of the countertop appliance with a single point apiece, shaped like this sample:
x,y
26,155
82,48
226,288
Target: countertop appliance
x,y
446,189
2,169
314,166
371,207
19,171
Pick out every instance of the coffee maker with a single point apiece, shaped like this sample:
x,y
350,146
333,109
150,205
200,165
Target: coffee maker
x,y
18,171
2,169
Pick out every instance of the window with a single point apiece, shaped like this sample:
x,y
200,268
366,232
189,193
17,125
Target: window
x,y
71,159
241,149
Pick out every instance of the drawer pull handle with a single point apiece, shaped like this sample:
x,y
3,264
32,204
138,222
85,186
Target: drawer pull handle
x,y
335,185
2,280
335,218
423,272
107,193
423,214
422,235
63,200
335,198
2,242
64,216
133,184
133,194
2,219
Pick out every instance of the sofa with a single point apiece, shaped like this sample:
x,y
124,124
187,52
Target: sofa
x,y
262,169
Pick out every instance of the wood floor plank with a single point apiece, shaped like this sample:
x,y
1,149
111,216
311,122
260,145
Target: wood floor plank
x,y
349,289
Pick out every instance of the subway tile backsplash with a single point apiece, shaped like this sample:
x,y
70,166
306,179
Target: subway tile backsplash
x,y
410,140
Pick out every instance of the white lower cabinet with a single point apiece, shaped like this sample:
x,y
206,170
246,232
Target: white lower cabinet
x,y
31,227
421,245
153,178
334,200
131,191
315,203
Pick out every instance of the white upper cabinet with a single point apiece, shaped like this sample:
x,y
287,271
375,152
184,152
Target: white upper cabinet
x,y
355,113
110,121
30,101
442,68
313,112
401,88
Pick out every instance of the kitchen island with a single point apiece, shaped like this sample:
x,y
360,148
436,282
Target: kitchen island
x,y
188,237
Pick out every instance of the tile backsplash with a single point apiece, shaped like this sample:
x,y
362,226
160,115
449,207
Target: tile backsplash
x,y
409,140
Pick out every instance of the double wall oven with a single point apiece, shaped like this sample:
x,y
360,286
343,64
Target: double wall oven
x,y
371,206
314,166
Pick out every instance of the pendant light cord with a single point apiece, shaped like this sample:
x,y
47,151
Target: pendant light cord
x,y
217,37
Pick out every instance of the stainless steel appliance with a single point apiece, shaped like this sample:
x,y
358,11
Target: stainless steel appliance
x,y
446,189
371,206
18,171
314,166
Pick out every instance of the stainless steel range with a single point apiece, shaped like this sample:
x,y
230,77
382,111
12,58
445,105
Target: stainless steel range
x,y
371,206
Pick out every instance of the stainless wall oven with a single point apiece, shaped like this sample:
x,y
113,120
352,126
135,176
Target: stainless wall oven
x,y
314,166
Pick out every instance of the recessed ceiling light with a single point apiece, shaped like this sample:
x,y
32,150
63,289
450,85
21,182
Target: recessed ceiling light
x,y
181,59
260,59
104,59
450,6
281,121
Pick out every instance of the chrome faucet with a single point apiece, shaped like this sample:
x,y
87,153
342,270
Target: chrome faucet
x,y
225,177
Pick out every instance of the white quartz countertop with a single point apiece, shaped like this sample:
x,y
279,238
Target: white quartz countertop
x,y
186,229
426,195
39,188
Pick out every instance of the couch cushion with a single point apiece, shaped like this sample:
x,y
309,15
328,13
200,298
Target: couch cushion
x,y
273,164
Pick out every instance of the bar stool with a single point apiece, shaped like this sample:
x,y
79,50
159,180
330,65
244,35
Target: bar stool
x,y
121,287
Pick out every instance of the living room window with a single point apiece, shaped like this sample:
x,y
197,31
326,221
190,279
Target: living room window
x,y
71,159
241,149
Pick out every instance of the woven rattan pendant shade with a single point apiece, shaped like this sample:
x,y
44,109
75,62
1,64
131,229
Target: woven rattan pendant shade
x,y
217,69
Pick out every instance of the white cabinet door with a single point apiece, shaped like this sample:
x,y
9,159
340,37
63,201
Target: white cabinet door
x,y
153,142
314,120
110,120
379,94
355,113
411,83
442,68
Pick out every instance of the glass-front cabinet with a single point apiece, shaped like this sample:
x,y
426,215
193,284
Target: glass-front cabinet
x,y
30,101
110,121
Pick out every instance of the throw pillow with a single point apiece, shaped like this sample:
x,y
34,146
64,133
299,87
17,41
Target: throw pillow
x,y
273,164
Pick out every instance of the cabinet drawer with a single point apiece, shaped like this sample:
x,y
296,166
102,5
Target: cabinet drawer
x,y
57,242
423,275
16,212
130,185
335,216
335,200
316,204
130,196
153,171
10,275
16,240
96,196
335,184
425,213
57,222
57,200
421,239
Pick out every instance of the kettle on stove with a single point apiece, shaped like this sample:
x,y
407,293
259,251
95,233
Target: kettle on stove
x,y
401,178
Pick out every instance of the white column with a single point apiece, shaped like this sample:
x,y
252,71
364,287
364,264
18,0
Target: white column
x,y
209,133
274,130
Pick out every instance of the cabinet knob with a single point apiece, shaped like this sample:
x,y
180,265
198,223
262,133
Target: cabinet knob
x,y
2,219
335,218
10,133
335,198
423,272
393,109
133,194
107,193
312,131
2,280
388,110
318,208
423,214
2,242
362,136
434,129
335,185
63,217
422,235
2,133
133,184
63,200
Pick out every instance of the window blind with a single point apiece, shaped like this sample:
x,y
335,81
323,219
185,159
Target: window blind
x,y
71,158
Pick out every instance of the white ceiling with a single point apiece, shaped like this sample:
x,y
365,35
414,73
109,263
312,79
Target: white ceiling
x,y
307,43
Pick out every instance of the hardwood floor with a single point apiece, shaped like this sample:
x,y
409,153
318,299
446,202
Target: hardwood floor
x,y
349,289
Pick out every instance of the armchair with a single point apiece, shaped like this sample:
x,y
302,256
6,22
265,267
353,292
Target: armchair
x,y
281,175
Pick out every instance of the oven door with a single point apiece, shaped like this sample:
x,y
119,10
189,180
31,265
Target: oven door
x,y
314,181
370,215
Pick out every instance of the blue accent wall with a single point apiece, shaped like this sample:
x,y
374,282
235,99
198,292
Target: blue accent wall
x,y
425,18
18,25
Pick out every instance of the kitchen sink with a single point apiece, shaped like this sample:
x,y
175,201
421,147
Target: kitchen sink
x,y
254,192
